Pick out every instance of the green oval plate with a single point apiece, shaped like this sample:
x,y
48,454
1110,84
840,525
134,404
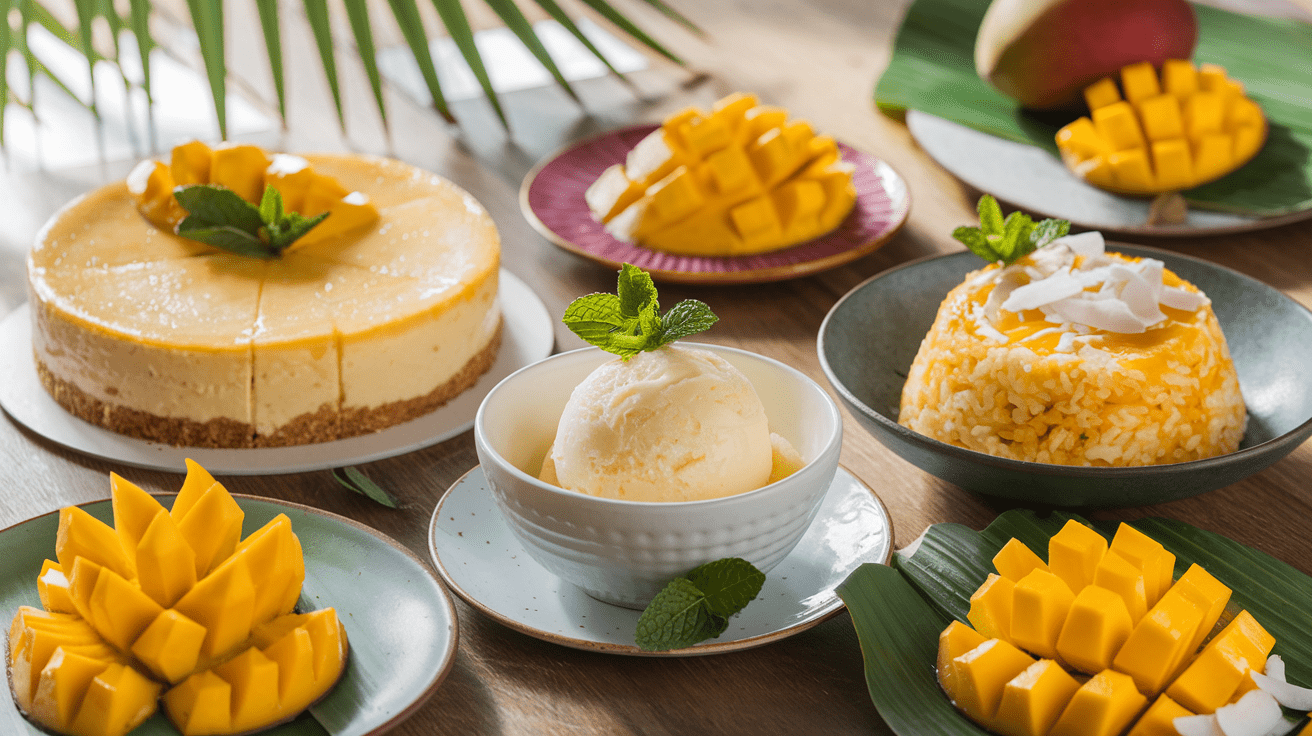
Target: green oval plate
x,y
399,620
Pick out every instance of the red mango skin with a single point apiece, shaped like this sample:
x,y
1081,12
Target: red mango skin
x,y
1077,42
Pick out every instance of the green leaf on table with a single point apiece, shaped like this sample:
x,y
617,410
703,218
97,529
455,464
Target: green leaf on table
x,y
412,27
357,12
728,584
207,19
519,25
899,611
352,479
629,321
457,26
269,26
316,14
553,9
1007,240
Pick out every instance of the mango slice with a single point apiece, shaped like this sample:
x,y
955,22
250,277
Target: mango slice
x,y
739,180
247,170
1156,657
1163,133
172,599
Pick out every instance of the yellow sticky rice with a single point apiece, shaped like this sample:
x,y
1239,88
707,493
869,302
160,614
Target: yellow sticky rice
x,y
1165,396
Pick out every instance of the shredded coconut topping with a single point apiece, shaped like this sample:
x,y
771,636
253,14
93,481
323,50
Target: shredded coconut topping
x,y
1073,281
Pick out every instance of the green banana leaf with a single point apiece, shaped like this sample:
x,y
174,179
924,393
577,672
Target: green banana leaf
x,y
933,71
899,611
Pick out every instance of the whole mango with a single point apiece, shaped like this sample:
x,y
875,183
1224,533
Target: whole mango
x,y
1043,53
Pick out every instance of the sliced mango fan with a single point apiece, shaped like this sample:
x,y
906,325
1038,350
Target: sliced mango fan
x,y
900,611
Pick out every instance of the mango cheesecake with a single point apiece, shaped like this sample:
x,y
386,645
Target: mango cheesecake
x,y
382,311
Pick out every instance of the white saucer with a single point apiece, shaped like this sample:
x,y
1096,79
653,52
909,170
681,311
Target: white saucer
x,y
483,563
527,337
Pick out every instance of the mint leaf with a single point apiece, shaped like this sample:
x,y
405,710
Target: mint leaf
x,y
697,606
629,322
675,618
217,216
728,584
636,291
686,318
1007,240
218,206
228,238
356,481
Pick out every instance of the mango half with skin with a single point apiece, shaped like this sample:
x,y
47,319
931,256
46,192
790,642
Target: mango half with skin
x,y
172,604
247,170
739,180
1163,132
1043,52
1019,668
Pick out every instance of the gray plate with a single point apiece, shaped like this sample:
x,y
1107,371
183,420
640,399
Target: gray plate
x,y
870,337
1037,182
400,622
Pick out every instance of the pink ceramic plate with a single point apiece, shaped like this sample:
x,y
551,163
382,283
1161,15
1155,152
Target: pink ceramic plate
x,y
552,201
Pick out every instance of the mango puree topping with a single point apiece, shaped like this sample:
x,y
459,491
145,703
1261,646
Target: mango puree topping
x,y
739,180
1163,132
1099,640
247,170
172,605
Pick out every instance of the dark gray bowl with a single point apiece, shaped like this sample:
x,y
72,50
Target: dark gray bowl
x,y
870,337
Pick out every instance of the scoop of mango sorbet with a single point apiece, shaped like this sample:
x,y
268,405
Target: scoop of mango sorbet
x,y
674,424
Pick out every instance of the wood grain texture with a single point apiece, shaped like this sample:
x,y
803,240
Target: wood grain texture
x,y
818,58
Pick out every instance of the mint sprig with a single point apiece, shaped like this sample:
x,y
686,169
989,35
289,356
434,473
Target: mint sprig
x,y
1007,240
219,217
697,606
629,321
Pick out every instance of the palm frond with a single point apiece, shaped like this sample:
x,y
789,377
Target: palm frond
x,y
453,17
268,10
6,43
357,11
207,19
407,17
316,12
519,25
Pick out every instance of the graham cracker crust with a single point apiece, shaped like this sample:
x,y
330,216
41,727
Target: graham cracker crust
x,y
221,432
324,425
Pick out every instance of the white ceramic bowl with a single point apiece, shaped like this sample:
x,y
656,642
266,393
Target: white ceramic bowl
x,y
624,552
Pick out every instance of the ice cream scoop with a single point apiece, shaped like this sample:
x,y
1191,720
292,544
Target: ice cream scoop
x,y
674,424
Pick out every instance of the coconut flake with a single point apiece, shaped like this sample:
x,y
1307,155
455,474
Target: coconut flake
x,y
1111,315
1204,725
1287,694
286,164
1084,244
139,178
1275,667
1177,298
1035,294
1253,715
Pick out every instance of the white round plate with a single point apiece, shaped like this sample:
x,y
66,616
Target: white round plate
x,y
527,337
1037,182
483,563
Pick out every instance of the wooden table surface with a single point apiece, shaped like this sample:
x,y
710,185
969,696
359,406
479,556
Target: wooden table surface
x,y
819,59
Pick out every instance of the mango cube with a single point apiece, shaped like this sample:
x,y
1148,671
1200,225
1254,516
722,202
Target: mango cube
x,y
1074,554
1159,643
1159,719
1103,706
738,180
1015,560
1033,700
990,608
1167,119
1039,606
982,675
1094,631
1148,555
1119,576
956,640
52,587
